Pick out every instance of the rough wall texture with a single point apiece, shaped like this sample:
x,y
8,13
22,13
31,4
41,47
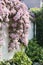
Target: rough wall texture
x,y
32,3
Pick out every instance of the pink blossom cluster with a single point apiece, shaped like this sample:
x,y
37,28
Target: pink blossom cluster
x,y
15,13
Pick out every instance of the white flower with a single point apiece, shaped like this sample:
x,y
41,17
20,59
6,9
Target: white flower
x,y
0,24
18,15
13,11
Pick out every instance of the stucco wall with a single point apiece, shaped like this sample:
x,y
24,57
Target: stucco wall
x,y
32,3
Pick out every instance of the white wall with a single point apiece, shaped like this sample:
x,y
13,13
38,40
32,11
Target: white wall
x,y
30,35
32,3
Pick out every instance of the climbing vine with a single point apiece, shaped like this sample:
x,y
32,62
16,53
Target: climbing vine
x,y
15,15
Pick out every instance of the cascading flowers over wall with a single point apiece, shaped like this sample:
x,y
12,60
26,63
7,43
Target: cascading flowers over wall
x,y
14,14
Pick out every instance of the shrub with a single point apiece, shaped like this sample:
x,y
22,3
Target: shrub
x,y
34,51
5,63
20,58
38,20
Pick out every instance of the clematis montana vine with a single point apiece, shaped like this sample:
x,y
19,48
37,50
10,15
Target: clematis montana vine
x,y
15,15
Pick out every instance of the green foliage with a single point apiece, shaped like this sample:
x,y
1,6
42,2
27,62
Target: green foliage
x,y
38,20
34,51
4,63
34,9
39,27
20,58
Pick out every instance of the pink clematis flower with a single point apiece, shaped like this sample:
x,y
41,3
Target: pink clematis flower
x,y
18,15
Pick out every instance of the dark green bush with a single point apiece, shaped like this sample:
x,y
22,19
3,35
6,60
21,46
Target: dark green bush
x,y
38,20
39,26
34,51
20,58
